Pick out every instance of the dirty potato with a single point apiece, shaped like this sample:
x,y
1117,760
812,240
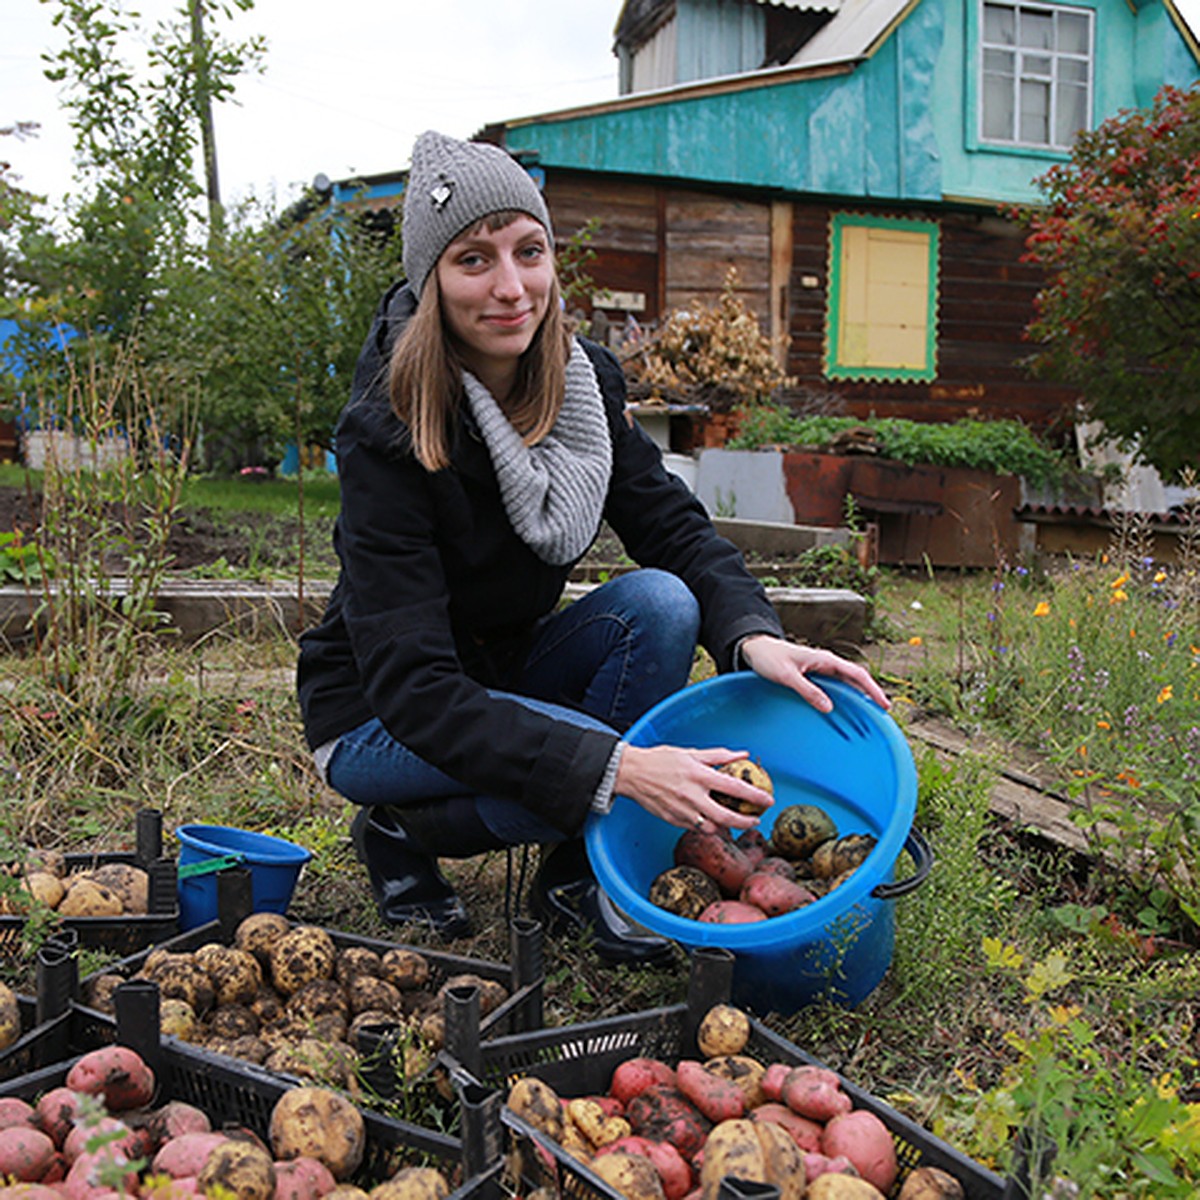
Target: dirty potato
x,y
235,974
684,891
87,898
314,1122
259,932
723,1030
799,829
492,993
841,855
129,882
241,1168
353,961
10,1017
300,956
751,773
413,1183
407,970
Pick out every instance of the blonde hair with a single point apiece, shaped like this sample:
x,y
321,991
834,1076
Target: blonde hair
x,y
425,372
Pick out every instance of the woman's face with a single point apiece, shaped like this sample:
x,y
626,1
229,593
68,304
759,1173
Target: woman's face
x,y
495,289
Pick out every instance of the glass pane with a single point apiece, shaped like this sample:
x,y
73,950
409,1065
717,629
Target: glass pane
x,y
1034,125
1036,29
999,25
1036,66
1072,33
1072,70
999,62
1071,115
998,108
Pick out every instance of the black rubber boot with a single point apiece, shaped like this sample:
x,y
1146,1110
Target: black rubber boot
x,y
567,899
405,880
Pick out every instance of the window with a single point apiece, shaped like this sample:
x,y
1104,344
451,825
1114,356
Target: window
x,y
882,298
1036,73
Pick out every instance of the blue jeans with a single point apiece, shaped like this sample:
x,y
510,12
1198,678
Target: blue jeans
x,y
600,662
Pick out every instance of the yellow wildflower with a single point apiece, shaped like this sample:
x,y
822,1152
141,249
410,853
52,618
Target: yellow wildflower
x,y
1119,596
1120,581
914,641
1103,725
1043,609
1165,693
1159,576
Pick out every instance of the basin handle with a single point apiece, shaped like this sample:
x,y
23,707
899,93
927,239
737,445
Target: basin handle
x,y
920,851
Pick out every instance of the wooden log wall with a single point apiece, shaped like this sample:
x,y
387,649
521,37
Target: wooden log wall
x,y
676,245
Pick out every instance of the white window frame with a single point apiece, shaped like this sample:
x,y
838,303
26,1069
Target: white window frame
x,y
1058,58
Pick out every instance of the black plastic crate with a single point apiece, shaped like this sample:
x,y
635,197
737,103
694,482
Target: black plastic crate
x,y
524,979
128,932
240,1095
578,1060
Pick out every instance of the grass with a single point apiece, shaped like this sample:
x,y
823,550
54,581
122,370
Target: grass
x,y
1030,985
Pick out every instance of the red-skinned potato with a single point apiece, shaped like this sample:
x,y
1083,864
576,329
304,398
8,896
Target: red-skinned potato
x,y
633,1076
774,894
773,1079
731,912
303,1179
664,1114
717,1098
116,1073
83,1180
867,1142
717,855
753,843
15,1111
673,1171
774,865
29,1191
131,1143
25,1153
55,1112
805,1133
172,1120
186,1155
815,1092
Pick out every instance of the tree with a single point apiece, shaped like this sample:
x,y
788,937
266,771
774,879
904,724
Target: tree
x,y
1119,314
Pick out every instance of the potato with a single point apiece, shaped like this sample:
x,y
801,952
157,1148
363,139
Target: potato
x,y
742,1070
355,960
98,993
330,1063
15,1111
179,977
717,855
684,891
538,1104
231,1021
236,975
732,1148
259,932
316,998
174,1119
631,1175
751,773
836,1186
774,894
636,1075
25,1153
10,1017
55,1112
731,912
184,1156
177,1018
267,1006
39,888
413,1183
931,1183
117,1073
662,1114
753,844
835,858
315,1122
717,1098
814,1092
594,1123
302,1179
347,1191
130,883
867,1142
367,993
724,1029
244,1169
300,956
405,969
799,829
86,898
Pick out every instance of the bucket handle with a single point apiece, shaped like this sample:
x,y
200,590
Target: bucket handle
x,y
920,851
208,865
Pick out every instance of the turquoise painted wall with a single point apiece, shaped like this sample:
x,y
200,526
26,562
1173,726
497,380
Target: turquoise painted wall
x,y
899,127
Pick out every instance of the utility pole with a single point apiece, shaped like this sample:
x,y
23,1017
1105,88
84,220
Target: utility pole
x,y
208,139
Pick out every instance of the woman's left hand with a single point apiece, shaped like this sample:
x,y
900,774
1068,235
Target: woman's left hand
x,y
789,664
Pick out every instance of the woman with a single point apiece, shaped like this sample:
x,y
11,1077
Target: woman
x,y
445,690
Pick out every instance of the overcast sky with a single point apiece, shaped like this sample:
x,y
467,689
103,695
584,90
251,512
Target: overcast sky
x,y
347,84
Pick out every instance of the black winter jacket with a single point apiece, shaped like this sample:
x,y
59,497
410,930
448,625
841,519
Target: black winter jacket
x,y
437,595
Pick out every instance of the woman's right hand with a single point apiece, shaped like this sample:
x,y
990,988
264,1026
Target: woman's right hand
x,y
676,785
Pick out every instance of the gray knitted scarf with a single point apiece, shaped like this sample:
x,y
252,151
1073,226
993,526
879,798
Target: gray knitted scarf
x,y
553,492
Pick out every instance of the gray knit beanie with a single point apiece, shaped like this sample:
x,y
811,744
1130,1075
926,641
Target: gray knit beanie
x,y
453,184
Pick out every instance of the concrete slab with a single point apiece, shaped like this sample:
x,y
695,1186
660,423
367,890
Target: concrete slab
x,y
200,608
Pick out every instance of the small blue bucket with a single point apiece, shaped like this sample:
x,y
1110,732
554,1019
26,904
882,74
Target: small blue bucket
x,y
205,849
854,762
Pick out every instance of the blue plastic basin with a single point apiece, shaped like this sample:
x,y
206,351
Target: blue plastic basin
x,y
854,762
274,869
